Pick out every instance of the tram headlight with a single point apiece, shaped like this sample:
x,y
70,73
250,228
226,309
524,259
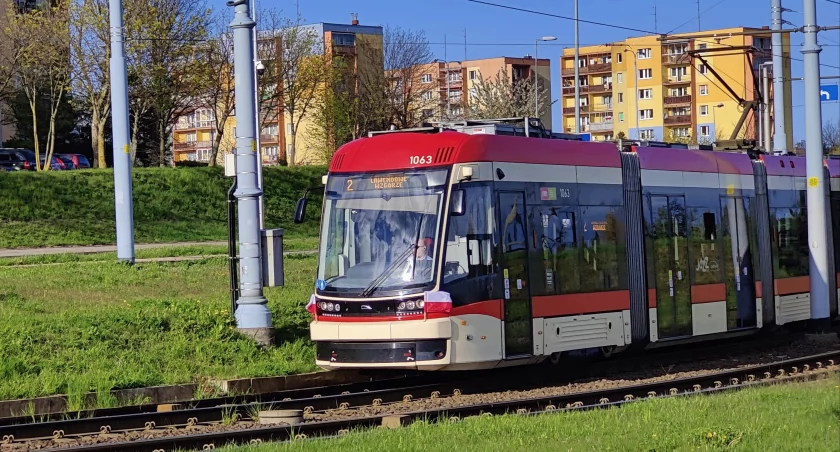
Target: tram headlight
x,y
409,305
329,306
401,306
322,305
420,304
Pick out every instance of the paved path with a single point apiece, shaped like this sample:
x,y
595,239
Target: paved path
x,y
20,252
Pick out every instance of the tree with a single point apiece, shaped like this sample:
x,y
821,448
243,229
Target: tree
x,y
831,137
163,51
301,73
505,97
90,54
215,79
407,57
35,62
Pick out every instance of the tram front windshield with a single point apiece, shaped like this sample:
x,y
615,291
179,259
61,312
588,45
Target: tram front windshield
x,y
379,232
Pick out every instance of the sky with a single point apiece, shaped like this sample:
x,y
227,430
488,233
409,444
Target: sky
x,y
492,31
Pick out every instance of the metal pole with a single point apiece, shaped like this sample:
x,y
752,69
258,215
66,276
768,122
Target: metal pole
x,y
257,113
448,103
636,95
119,131
765,79
536,79
760,127
779,113
814,163
252,315
577,73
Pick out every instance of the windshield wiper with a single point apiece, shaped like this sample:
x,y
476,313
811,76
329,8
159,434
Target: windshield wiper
x,y
379,279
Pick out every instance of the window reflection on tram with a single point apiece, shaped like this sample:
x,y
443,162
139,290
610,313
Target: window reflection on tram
x,y
380,232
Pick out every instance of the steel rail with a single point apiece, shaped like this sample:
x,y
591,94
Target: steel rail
x,y
808,367
352,395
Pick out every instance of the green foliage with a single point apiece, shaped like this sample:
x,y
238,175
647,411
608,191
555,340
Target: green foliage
x,y
170,204
85,327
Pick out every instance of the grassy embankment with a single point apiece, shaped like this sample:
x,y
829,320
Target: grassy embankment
x,y
170,205
99,326
794,417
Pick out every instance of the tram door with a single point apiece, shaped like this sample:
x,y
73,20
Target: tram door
x,y
513,257
670,251
738,235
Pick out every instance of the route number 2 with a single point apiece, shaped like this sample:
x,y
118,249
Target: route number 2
x,y
420,160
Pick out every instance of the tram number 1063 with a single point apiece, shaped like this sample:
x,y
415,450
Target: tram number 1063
x,y
420,159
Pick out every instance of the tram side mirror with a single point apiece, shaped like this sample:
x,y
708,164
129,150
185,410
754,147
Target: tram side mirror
x,y
458,205
300,210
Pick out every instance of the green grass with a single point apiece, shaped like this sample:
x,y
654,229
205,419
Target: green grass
x,y
793,417
170,205
85,327
300,244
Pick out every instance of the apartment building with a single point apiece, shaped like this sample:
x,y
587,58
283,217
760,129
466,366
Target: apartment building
x,y
648,89
447,87
193,134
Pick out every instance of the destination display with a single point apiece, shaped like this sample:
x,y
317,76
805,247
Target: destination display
x,y
384,182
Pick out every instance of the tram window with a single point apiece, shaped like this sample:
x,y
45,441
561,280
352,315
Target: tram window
x,y
789,237
469,238
558,242
705,253
602,250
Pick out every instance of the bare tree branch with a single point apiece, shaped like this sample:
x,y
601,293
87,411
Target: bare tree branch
x,y
504,97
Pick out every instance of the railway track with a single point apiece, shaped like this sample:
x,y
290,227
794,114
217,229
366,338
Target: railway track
x,y
191,437
346,401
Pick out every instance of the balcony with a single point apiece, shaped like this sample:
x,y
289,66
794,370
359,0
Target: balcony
x,y
205,124
677,100
602,107
676,58
268,138
599,88
570,90
344,50
193,145
677,120
599,68
571,110
678,80
606,126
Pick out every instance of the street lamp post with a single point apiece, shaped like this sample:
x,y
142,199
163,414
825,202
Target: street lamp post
x,y
536,73
577,72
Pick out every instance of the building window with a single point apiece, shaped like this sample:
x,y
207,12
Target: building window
x,y
702,68
678,71
203,155
619,57
343,39
427,95
704,110
681,132
643,54
620,116
646,134
704,90
473,75
646,93
270,151
620,98
704,131
428,113
289,128
701,46
646,113
645,73
426,78
619,77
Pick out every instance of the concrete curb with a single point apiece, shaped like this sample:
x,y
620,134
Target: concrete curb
x,y
182,393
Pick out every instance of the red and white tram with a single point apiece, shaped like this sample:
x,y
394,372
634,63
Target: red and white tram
x,y
462,248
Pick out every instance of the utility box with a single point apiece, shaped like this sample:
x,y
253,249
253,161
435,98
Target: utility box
x,y
272,257
230,165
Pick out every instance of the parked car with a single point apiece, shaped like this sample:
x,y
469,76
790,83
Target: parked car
x,y
55,163
79,160
17,159
67,161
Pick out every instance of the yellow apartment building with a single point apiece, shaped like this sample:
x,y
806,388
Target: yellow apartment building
x,y
439,99
193,133
649,89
